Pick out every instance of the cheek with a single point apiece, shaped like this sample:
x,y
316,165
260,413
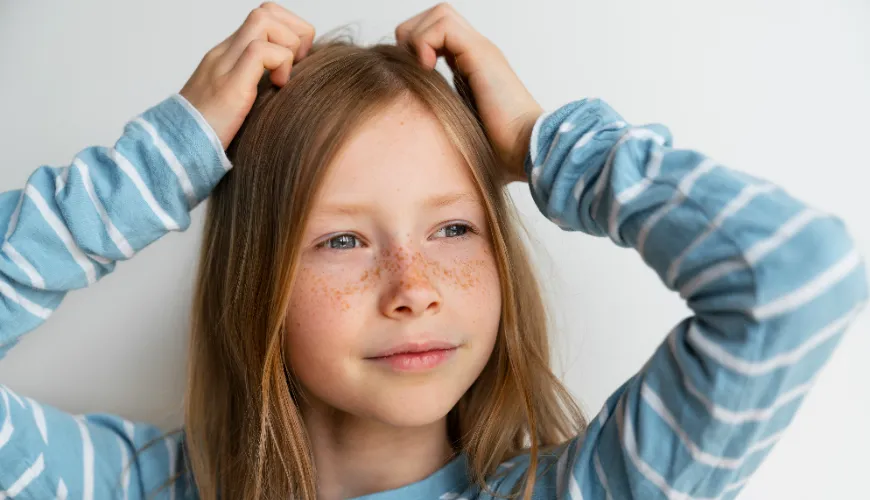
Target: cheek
x,y
471,288
322,320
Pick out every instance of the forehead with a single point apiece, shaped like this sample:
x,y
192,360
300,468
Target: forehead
x,y
399,155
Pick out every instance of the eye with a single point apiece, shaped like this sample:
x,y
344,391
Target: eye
x,y
457,230
344,241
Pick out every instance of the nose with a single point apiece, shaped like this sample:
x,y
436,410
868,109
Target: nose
x,y
410,290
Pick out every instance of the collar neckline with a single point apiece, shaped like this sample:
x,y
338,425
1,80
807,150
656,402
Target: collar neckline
x,y
453,477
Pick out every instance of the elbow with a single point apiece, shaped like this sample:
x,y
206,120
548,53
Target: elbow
x,y
819,268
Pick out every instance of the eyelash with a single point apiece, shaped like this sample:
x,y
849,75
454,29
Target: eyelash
x,y
469,230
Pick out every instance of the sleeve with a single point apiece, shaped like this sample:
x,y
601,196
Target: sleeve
x,y
64,230
772,284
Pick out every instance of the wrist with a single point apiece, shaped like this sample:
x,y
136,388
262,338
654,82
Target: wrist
x,y
518,170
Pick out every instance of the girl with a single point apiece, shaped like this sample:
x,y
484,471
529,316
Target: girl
x,y
366,322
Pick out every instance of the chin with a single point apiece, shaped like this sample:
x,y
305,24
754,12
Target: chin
x,y
417,411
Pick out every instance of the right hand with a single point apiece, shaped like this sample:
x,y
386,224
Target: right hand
x,y
224,85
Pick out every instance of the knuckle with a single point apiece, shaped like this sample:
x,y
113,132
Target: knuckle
x,y
257,17
256,47
294,41
210,57
443,8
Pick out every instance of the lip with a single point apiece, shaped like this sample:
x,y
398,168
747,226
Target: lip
x,y
416,356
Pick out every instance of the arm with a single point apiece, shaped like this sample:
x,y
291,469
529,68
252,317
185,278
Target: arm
x,y
69,225
772,284
64,230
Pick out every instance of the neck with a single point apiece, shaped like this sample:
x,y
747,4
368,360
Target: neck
x,y
355,456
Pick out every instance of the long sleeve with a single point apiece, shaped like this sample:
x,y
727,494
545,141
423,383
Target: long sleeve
x,y
772,283
64,230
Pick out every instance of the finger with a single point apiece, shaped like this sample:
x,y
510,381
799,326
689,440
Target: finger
x,y
260,25
300,27
440,35
260,55
281,74
404,29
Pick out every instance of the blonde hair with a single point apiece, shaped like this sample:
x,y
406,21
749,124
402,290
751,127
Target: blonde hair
x,y
245,437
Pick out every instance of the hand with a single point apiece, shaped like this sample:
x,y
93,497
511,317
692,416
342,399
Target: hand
x,y
506,107
224,85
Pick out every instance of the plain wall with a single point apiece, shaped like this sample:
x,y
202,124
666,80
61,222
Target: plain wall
x,y
780,89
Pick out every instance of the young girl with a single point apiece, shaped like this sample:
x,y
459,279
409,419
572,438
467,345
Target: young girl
x,y
366,320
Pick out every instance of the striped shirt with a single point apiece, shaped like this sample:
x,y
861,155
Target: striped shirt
x,y
772,283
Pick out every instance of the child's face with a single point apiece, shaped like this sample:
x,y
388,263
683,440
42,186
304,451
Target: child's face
x,y
397,271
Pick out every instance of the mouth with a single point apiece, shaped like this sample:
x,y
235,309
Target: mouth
x,y
416,357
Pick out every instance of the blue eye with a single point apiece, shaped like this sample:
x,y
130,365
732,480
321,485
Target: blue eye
x,y
347,241
458,230
340,242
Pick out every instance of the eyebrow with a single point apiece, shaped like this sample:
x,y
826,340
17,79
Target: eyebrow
x,y
437,201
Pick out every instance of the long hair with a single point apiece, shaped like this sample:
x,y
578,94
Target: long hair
x,y
245,436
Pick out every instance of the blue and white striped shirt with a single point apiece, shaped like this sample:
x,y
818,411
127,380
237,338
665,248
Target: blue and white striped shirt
x,y
773,285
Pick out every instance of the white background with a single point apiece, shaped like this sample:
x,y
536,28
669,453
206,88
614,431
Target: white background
x,y
780,89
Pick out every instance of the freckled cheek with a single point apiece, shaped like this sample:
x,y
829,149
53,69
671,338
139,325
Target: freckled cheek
x,y
322,320
474,274
332,291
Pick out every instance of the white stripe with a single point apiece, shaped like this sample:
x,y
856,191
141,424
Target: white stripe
x,y
61,490
16,397
63,233
26,478
537,168
579,187
741,200
171,449
754,368
736,485
39,419
13,219
561,464
34,309
87,460
588,136
604,177
101,260
730,417
170,158
683,190
130,429
602,477
709,275
811,290
118,238
698,454
125,466
128,168
207,130
35,279
576,494
60,180
652,170
786,231
7,429
626,430
603,415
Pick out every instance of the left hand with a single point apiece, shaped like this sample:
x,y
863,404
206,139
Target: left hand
x,y
506,107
